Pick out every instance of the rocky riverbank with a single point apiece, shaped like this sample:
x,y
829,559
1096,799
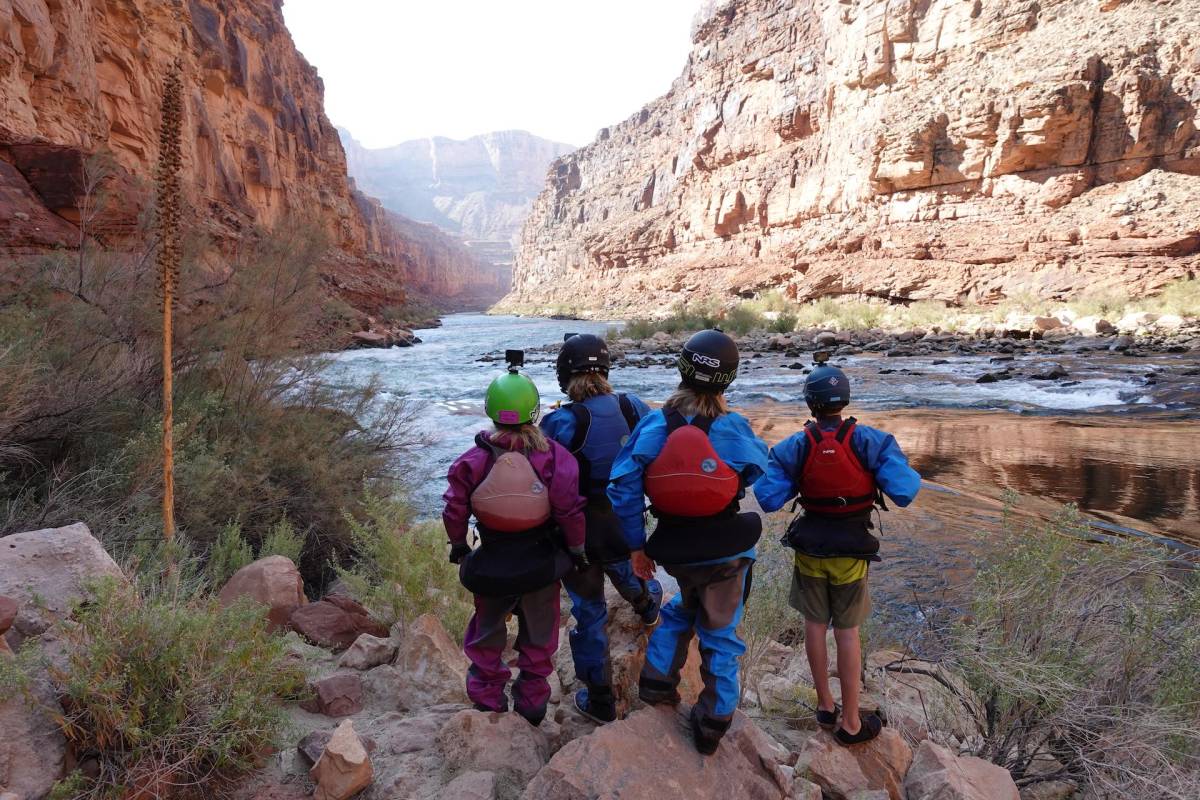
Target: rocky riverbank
x,y
386,711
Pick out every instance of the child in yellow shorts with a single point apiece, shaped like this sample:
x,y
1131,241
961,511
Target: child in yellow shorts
x,y
839,471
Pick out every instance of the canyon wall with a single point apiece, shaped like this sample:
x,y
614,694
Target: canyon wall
x,y
961,150
83,77
479,188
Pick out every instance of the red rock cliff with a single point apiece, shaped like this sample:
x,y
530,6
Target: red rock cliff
x,y
79,77
950,149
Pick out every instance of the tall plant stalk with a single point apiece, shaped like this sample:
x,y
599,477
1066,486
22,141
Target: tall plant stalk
x,y
169,252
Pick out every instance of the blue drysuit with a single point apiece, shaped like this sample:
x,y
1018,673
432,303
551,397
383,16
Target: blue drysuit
x,y
606,549
711,599
877,451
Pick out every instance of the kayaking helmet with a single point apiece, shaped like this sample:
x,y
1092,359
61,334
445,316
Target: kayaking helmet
x,y
580,353
826,390
512,399
709,361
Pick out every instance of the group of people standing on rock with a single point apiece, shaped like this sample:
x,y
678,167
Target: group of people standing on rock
x,y
565,502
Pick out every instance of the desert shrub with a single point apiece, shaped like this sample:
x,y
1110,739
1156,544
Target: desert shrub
x,y
401,571
1181,297
169,692
260,435
1085,660
742,319
768,616
784,323
229,553
282,540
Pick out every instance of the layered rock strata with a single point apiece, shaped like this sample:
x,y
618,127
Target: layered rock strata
x,y
80,86
952,150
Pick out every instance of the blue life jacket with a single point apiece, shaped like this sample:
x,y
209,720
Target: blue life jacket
x,y
602,426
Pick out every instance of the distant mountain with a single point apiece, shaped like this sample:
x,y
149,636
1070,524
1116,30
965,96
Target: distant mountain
x,y
480,188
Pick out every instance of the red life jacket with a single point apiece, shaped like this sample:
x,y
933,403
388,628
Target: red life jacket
x,y
688,478
832,479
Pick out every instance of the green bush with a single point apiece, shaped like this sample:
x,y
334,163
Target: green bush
x,y
170,693
282,540
401,571
260,435
229,553
1085,660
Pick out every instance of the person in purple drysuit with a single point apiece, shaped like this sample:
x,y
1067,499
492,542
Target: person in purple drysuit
x,y
515,572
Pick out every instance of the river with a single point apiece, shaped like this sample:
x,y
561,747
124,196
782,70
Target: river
x,y
1106,440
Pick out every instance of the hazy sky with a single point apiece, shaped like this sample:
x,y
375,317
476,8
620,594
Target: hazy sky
x,y
562,69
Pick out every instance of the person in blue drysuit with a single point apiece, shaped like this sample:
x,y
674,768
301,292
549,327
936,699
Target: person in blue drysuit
x,y
837,469
594,426
711,556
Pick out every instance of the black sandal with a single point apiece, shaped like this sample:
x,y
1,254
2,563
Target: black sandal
x,y
871,724
827,719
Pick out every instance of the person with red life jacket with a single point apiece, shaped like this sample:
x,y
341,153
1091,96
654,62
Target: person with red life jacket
x,y
839,471
694,459
523,491
594,426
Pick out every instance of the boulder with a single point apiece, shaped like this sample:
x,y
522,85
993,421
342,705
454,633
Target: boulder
x,y
504,744
33,749
8,613
368,652
938,774
915,698
1169,322
344,768
825,339
370,339
840,771
1121,343
1044,324
652,751
804,789
273,582
46,571
1052,372
337,695
471,786
430,666
1136,319
334,622
1094,326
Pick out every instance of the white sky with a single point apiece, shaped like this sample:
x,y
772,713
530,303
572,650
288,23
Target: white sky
x,y
562,69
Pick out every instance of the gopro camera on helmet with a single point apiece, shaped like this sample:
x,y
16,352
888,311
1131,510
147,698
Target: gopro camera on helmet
x,y
821,356
515,359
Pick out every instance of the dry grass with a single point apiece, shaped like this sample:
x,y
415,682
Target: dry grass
x,y
1083,661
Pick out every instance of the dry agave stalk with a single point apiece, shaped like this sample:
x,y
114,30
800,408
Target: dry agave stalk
x,y
169,254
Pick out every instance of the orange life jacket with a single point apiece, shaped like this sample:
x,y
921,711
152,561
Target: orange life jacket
x,y
512,498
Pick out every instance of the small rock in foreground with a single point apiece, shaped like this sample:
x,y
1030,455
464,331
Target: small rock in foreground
x,y
344,768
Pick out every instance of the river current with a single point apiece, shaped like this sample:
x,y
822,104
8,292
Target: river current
x,y
1103,440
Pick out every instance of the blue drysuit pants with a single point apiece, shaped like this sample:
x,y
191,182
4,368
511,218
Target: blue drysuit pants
x,y
589,639
710,605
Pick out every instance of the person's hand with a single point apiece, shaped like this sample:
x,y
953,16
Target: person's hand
x,y
643,565
459,551
579,559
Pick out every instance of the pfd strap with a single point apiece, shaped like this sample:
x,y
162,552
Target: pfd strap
x,y
675,420
844,430
628,411
583,424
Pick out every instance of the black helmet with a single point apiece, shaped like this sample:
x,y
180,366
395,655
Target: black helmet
x,y
826,388
709,361
581,352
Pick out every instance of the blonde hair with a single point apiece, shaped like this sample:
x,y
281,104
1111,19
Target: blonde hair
x,y
526,436
587,384
688,401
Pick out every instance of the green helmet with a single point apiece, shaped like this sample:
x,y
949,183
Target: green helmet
x,y
513,399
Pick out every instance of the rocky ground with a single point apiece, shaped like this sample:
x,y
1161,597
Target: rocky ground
x,y
388,716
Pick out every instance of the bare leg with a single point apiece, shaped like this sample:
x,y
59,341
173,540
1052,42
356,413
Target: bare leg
x,y
818,662
849,661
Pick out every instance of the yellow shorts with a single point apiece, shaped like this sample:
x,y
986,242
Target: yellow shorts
x,y
831,590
